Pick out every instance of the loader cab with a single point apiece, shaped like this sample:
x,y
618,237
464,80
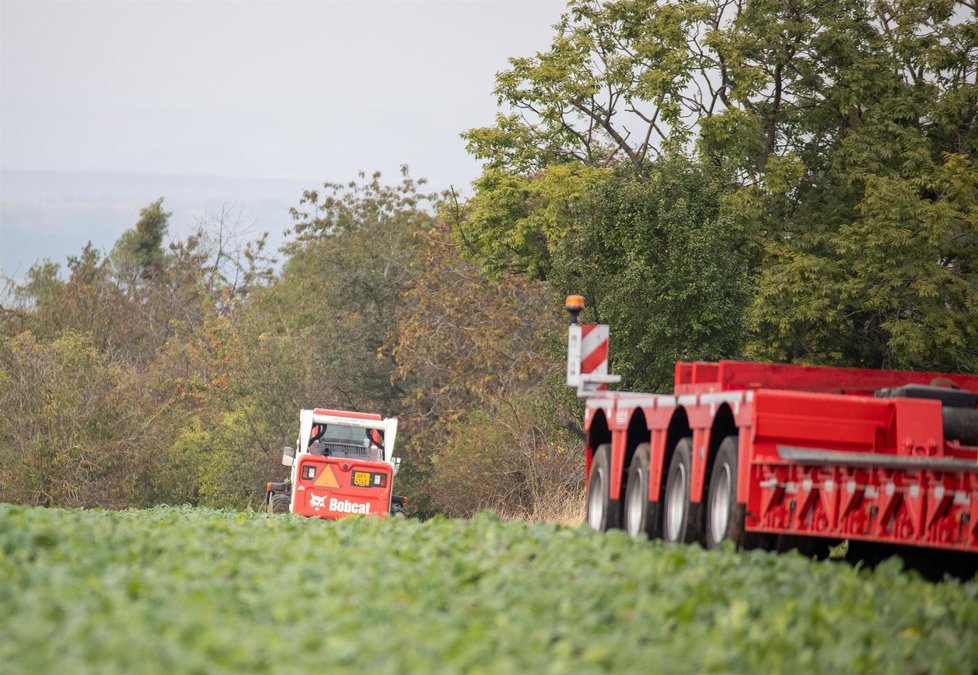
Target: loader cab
x,y
338,440
344,434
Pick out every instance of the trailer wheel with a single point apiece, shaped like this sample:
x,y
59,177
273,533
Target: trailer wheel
x,y
279,504
602,513
641,515
680,518
724,520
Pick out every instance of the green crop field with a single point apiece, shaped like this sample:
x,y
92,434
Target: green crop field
x,y
192,590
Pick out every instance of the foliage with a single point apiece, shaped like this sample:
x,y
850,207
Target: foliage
x,y
139,251
465,340
476,358
655,256
517,224
68,434
112,372
233,466
877,233
510,456
175,590
634,80
339,292
614,86
896,286
847,132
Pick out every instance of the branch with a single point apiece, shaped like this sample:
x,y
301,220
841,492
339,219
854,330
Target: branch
x,y
611,131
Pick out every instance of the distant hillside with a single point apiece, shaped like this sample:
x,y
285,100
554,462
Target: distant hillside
x,y
53,214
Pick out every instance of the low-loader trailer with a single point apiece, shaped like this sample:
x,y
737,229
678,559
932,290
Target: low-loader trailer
x,y
742,450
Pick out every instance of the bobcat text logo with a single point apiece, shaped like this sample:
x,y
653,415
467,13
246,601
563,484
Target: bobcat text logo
x,y
317,502
346,506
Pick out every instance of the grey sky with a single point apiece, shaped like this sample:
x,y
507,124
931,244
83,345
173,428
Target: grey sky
x,y
288,93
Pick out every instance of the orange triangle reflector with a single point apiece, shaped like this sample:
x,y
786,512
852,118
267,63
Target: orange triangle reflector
x,y
326,478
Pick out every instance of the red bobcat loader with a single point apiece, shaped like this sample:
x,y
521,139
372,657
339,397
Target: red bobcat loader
x,y
342,465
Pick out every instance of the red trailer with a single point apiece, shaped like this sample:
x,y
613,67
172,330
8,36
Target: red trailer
x,y
741,449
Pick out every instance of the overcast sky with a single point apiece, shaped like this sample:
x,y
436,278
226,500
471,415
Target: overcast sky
x,y
105,106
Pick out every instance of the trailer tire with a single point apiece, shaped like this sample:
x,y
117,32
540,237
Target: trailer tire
x,y
724,520
641,516
279,504
681,522
603,514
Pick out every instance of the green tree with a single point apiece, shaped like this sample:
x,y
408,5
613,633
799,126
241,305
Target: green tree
x,y
847,132
139,251
873,261
895,286
517,224
139,371
339,291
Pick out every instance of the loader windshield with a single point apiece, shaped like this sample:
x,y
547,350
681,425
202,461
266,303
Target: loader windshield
x,y
353,442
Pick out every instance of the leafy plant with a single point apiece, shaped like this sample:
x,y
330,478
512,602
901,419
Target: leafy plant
x,y
196,590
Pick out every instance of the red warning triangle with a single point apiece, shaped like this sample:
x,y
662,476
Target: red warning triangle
x,y
326,478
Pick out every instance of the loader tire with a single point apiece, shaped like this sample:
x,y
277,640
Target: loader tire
x,y
279,504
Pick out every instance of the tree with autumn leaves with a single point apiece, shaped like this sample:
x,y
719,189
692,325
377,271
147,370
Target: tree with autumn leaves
x,y
117,380
174,374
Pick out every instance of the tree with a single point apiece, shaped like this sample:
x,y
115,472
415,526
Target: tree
x,y
482,405
874,261
654,255
632,80
68,430
340,289
840,128
117,387
139,251
516,224
613,87
321,332
895,286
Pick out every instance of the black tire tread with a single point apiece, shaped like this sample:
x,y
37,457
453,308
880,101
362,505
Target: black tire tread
x,y
279,504
691,527
726,454
652,525
612,509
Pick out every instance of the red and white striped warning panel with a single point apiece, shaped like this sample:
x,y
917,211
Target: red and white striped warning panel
x,y
594,349
587,357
